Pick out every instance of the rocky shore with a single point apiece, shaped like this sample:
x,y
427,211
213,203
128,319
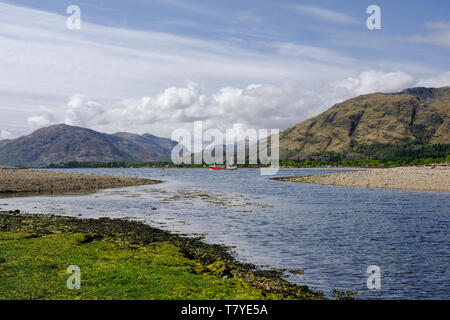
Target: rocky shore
x,y
424,178
15,181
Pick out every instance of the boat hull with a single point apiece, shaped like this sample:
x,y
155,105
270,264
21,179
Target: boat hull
x,y
220,169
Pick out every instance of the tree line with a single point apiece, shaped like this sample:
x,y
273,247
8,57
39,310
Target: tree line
x,y
360,155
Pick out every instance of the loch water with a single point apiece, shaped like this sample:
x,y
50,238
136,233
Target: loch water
x,y
333,233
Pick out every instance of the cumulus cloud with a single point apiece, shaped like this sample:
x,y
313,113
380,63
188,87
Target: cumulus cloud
x,y
81,110
275,106
5,134
43,119
441,80
132,80
46,61
374,81
114,67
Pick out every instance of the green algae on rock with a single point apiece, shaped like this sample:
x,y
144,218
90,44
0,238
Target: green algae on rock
x,y
121,259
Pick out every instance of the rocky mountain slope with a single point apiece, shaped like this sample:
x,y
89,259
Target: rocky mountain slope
x,y
395,118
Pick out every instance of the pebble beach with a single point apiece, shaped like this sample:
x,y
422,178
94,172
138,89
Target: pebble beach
x,y
424,178
13,181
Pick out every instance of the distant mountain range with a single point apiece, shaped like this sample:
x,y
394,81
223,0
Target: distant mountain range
x,y
416,114
63,143
380,118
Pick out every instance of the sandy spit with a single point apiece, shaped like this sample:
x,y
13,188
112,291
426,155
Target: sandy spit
x,y
425,178
25,181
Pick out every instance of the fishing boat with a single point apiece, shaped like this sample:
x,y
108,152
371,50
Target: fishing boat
x,y
222,168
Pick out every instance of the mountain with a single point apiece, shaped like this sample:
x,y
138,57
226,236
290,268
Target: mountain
x,y
413,115
165,143
63,143
4,142
150,146
416,114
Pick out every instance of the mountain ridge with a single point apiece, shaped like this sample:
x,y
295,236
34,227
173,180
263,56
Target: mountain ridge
x,y
378,118
63,143
415,115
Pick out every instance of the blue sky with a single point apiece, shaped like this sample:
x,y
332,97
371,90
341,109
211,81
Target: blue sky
x,y
153,66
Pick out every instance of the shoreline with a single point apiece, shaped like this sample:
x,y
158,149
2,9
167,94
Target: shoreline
x,y
434,178
31,235
191,168
26,181
209,261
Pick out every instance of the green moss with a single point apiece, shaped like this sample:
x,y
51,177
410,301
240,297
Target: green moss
x,y
219,268
35,268
123,260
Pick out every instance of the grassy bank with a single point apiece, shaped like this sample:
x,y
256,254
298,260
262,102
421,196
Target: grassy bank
x,y
122,259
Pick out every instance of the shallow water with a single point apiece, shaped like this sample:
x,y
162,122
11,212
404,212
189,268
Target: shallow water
x,y
333,233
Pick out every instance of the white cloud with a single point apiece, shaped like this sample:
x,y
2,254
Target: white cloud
x,y
315,53
439,34
440,80
46,64
375,81
323,14
81,110
39,121
5,134
43,119
255,106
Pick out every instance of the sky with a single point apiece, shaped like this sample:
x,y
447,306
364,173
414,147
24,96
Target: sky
x,y
148,66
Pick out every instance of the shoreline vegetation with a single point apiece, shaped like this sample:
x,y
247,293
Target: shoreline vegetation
x,y
421,178
122,259
284,164
413,153
119,258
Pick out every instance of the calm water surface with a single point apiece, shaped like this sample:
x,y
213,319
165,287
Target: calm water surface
x,y
332,233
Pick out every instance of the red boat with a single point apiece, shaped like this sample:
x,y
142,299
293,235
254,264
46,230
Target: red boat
x,y
222,168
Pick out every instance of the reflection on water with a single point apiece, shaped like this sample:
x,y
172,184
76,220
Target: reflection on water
x,y
333,233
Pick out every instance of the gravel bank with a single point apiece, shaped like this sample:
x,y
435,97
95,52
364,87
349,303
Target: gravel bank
x,y
425,178
33,181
